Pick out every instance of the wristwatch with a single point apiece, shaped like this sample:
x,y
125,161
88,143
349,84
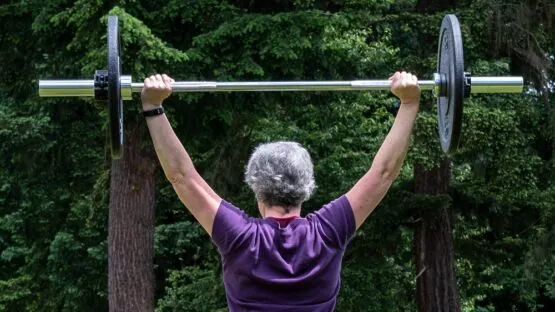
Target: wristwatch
x,y
154,112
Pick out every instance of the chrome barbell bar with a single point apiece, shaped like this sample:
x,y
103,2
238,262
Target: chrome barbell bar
x,y
85,88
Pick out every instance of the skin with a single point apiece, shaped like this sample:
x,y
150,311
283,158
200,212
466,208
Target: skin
x,y
369,191
277,211
203,202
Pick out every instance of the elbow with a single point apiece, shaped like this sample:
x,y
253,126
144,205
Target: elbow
x,y
388,162
176,177
388,171
388,175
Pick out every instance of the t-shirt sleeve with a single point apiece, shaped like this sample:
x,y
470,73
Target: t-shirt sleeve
x,y
336,222
232,228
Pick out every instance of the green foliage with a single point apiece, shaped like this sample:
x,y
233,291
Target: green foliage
x,y
14,292
54,174
390,291
193,289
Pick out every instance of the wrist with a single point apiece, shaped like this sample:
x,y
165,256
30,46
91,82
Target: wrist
x,y
150,106
410,102
154,112
410,107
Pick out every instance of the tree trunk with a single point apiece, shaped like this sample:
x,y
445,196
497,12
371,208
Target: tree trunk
x,y
436,283
131,283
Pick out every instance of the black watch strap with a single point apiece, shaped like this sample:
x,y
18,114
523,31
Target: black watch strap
x,y
154,112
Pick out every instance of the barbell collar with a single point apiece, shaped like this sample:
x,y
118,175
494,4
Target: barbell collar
x,y
440,85
126,88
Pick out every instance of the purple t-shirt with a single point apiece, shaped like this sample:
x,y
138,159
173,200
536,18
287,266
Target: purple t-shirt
x,y
268,267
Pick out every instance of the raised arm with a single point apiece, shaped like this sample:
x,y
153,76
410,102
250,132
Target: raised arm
x,y
191,188
369,191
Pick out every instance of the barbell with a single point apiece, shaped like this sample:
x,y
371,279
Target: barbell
x,y
450,85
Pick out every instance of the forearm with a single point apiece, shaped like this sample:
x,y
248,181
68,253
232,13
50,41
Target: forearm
x,y
189,186
369,191
174,159
391,154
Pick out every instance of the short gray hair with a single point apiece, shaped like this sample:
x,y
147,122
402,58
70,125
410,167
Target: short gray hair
x,y
281,173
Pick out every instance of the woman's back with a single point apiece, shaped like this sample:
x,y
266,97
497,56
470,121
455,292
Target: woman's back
x,y
275,264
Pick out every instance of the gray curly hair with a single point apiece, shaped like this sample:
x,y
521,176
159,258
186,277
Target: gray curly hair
x,y
281,173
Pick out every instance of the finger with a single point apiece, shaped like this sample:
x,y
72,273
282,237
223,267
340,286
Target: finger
x,y
167,82
415,79
148,83
395,76
155,81
166,78
158,82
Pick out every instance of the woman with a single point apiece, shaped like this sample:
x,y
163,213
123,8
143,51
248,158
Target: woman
x,y
281,261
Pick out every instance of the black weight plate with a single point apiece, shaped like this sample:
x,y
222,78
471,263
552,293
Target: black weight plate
x,y
115,103
450,65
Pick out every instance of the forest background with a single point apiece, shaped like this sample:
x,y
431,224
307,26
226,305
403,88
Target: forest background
x,y
470,232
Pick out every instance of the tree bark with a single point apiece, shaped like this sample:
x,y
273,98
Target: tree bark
x,y
131,283
436,283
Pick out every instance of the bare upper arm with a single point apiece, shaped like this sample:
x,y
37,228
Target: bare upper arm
x,y
367,193
199,198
